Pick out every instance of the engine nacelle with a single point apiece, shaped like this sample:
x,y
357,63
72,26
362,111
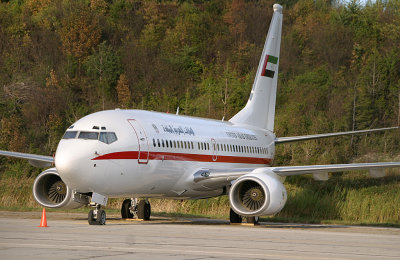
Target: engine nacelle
x,y
51,192
258,193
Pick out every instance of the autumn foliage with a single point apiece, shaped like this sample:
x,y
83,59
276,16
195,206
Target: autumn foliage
x,y
339,67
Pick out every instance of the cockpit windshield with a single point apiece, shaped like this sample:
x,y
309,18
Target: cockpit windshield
x,y
105,137
108,137
70,135
89,135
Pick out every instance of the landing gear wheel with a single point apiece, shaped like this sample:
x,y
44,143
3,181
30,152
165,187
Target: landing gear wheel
x,y
125,209
91,219
253,220
234,217
144,210
101,217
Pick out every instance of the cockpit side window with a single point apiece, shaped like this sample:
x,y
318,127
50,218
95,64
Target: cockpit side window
x,y
108,137
89,135
70,135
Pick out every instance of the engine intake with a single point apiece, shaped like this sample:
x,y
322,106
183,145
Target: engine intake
x,y
258,193
51,192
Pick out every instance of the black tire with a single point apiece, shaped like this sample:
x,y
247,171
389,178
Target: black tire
x,y
234,217
144,210
125,211
91,219
101,217
252,220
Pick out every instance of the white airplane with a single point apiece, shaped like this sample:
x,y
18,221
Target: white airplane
x,y
142,154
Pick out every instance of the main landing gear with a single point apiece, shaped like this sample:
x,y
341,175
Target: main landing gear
x,y
97,216
236,218
131,208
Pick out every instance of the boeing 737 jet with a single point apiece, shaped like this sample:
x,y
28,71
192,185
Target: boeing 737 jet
x,y
141,154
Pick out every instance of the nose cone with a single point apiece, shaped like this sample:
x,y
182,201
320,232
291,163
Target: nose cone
x,y
72,161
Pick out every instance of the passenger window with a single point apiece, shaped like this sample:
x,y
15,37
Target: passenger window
x,y
166,143
198,145
158,142
208,146
185,145
162,142
70,135
89,135
174,144
154,142
170,143
192,145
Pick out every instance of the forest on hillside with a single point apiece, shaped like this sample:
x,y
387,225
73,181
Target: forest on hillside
x,y
339,68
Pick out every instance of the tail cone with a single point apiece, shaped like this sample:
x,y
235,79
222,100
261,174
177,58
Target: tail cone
x,y
43,222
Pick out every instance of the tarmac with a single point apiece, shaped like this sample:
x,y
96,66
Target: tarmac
x,y
68,236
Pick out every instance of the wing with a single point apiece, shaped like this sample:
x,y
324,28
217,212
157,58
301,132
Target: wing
x,y
39,161
280,140
214,178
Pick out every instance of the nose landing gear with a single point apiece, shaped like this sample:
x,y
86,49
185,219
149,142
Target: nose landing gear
x,y
131,208
97,216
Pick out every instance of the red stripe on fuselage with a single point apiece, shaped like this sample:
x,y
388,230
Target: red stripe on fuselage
x,y
133,155
118,155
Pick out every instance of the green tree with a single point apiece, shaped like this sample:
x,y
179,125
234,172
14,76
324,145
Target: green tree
x,y
104,65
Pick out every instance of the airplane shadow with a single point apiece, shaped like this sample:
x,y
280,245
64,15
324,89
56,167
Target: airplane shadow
x,y
217,222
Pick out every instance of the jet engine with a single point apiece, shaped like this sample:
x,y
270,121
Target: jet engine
x,y
258,193
51,192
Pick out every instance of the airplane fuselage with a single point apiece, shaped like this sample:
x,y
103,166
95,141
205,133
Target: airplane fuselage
x,y
120,153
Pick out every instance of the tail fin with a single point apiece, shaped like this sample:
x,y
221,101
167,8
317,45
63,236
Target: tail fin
x,y
260,108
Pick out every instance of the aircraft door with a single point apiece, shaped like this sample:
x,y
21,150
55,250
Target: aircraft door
x,y
143,144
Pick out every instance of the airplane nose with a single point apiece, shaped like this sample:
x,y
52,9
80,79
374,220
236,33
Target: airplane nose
x,y
70,164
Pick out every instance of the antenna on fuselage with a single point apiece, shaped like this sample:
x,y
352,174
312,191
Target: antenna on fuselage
x,y
177,110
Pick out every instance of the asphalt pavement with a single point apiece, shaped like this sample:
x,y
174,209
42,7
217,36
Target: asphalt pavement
x,y
68,236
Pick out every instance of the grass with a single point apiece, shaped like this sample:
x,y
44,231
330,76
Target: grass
x,y
341,200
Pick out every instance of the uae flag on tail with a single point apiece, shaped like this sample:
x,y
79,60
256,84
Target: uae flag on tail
x,y
268,69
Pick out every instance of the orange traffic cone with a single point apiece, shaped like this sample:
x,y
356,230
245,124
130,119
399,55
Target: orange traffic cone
x,y
43,222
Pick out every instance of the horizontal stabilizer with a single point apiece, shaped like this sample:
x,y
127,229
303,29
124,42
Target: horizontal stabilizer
x,y
280,140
